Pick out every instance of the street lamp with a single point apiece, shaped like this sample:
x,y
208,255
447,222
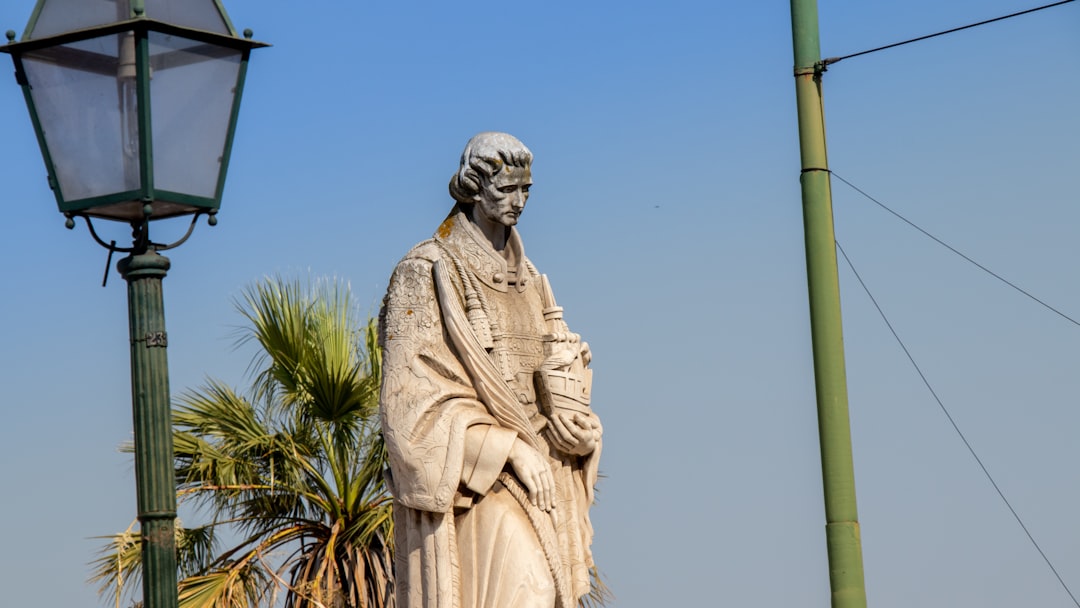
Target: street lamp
x,y
134,104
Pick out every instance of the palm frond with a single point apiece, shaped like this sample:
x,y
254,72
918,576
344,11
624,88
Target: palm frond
x,y
599,593
308,338
237,585
275,311
194,548
118,566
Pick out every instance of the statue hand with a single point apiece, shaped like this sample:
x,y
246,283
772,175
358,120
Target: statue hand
x,y
575,434
532,470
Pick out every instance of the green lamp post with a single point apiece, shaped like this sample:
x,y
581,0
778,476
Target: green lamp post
x,y
134,103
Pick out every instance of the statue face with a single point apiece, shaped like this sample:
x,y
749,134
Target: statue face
x,y
502,198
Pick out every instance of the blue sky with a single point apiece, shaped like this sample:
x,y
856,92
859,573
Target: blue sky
x,y
666,211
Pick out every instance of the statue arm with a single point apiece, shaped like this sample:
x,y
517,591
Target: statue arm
x,y
439,436
487,448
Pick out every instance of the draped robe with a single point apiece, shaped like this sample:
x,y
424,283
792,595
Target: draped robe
x,y
462,335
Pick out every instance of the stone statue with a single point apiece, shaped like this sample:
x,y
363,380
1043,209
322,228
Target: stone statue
x,y
492,443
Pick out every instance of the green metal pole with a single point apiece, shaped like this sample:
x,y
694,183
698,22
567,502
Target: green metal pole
x,y
154,477
834,426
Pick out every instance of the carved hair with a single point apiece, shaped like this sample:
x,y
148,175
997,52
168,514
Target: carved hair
x,y
485,155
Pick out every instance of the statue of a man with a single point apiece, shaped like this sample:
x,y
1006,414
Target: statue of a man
x,y
492,444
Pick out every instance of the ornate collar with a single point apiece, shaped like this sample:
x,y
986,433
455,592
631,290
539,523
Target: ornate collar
x,y
473,249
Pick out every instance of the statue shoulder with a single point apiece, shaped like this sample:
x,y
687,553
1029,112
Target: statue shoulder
x,y
426,251
411,289
420,259
419,263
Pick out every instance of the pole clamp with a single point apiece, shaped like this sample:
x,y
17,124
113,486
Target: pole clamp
x,y
816,70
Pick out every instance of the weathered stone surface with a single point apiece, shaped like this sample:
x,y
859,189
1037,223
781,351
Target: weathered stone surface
x,y
485,407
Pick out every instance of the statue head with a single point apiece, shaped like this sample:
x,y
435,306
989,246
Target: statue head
x,y
485,156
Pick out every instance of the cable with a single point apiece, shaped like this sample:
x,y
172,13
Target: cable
x,y
956,428
832,60
952,249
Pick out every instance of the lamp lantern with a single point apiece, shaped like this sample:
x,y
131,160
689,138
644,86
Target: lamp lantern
x,y
134,103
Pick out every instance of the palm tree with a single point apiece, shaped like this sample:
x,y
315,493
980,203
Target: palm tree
x,y
290,472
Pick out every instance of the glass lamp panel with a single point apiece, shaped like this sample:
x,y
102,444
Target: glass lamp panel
x,y
85,102
192,91
59,16
196,14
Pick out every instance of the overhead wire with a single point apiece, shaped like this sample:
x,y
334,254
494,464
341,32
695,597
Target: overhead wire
x,y
832,60
955,426
956,251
